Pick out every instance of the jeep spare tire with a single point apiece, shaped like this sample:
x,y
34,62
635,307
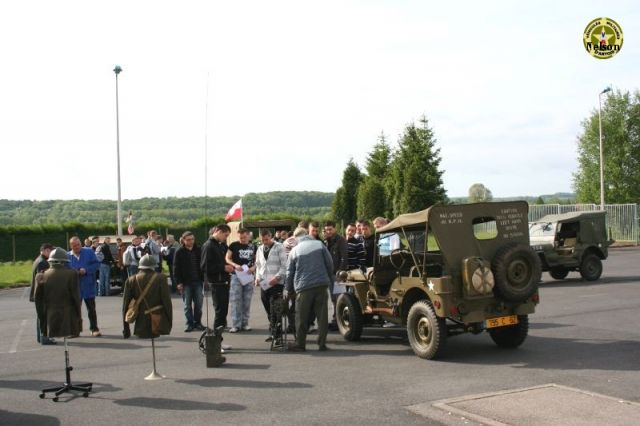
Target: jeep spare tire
x,y
517,271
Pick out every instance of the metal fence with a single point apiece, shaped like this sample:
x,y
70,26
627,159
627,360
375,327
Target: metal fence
x,y
622,219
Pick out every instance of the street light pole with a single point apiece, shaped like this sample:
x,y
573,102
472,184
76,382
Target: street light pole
x,y
118,70
608,89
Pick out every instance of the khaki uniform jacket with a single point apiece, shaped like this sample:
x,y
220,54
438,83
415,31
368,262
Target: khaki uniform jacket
x,y
158,295
57,297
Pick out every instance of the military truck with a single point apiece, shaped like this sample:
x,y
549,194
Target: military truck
x,y
444,271
575,241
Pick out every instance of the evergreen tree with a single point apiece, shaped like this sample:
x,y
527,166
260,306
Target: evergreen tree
x,y
372,201
372,193
416,181
621,147
344,205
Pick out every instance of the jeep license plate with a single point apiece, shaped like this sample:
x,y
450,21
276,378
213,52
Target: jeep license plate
x,y
502,321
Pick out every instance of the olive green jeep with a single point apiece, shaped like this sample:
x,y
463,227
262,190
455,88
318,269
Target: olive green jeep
x,y
444,271
575,241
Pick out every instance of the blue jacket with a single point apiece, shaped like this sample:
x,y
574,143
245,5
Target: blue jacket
x,y
309,265
90,263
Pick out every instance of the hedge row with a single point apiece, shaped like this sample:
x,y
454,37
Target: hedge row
x,y
23,242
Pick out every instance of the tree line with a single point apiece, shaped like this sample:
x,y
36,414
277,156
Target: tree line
x,y
395,180
174,210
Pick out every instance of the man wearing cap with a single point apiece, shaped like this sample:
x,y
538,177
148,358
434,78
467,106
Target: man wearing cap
x,y
40,265
84,260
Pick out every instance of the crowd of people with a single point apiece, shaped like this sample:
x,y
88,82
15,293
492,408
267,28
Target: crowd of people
x,y
299,267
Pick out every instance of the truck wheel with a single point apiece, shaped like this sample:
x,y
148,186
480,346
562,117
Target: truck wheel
x,y
427,333
517,270
559,272
511,336
349,317
591,267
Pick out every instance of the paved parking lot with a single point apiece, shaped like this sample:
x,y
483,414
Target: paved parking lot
x,y
584,336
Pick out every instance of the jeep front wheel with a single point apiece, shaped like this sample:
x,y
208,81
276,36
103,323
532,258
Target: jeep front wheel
x,y
591,267
349,317
427,333
511,336
559,272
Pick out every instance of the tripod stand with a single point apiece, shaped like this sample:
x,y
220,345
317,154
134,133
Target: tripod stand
x,y
85,388
279,322
210,342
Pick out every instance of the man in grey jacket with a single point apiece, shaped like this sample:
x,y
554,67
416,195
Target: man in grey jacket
x,y
309,274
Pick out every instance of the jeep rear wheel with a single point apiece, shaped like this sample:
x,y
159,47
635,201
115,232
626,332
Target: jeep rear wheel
x,y
427,333
349,317
559,272
517,270
511,336
591,267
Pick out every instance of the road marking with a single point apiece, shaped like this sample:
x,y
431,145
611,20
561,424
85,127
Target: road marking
x,y
14,346
24,293
26,350
593,295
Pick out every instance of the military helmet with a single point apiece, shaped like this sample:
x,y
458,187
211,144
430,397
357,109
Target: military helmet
x,y
58,255
147,262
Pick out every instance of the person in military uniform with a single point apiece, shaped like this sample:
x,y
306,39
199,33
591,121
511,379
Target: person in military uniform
x,y
57,297
157,300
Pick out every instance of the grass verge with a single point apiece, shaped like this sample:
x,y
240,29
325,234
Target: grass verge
x,y
16,274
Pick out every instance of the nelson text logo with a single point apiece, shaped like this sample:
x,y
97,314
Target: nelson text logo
x,y
602,38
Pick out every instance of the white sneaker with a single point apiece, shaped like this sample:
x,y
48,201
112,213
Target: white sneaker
x,y
246,328
221,351
233,330
226,347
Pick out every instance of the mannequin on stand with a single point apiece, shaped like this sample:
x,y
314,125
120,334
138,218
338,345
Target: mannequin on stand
x,y
57,298
147,302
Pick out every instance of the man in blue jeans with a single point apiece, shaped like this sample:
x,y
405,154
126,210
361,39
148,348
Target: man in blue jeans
x,y
239,254
189,276
105,266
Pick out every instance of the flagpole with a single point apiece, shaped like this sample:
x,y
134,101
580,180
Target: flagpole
x,y
241,213
206,131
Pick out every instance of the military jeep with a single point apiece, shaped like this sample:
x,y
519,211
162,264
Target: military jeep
x,y
575,241
444,271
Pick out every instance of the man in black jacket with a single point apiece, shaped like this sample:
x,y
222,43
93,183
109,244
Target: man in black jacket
x,y
105,266
40,265
188,276
216,271
369,241
337,246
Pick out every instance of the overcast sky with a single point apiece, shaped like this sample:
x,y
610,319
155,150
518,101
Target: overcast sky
x,y
295,89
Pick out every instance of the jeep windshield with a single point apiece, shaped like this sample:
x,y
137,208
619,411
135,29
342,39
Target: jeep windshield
x,y
542,229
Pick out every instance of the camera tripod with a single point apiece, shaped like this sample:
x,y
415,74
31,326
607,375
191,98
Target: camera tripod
x,y
68,387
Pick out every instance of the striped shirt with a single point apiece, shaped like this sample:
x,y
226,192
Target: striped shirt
x,y
356,254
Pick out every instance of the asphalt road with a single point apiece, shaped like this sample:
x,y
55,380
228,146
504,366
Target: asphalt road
x,y
584,335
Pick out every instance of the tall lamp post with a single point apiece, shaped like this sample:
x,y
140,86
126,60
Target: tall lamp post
x,y
608,89
118,70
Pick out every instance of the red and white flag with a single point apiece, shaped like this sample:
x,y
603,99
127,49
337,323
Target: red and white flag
x,y
131,227
235,212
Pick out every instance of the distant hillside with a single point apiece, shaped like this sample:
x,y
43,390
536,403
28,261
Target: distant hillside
x,y
172,209
557,198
